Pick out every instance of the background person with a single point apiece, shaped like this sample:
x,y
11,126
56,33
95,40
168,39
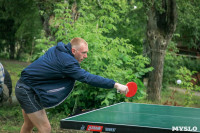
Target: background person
x,y
5,85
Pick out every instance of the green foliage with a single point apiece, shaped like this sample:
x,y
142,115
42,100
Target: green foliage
x,y
107,57
123,19
62,22
42,45
173,62
139,66
188,23
185,75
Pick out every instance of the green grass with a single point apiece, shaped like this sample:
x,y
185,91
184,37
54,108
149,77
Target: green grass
x,y
179,98
11,118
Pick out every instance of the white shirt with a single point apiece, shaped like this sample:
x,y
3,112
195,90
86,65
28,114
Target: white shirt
x,y
2,74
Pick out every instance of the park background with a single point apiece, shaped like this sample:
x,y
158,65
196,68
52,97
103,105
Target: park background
x,y
153,43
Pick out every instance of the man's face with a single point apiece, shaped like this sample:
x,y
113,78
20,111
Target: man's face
x,y
80,53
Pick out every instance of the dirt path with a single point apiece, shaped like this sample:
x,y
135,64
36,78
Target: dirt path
x,y
183,91
24,64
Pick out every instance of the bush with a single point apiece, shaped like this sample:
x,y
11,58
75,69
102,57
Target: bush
x,y
174,62
108,57
185,75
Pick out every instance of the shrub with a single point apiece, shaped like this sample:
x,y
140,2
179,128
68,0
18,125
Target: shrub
x,y
185,75
108,57
174,62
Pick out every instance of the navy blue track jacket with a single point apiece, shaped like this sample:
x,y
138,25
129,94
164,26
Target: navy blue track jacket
x,y
52,76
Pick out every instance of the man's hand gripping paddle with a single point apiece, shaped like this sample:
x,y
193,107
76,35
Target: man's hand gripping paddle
x,y
132,86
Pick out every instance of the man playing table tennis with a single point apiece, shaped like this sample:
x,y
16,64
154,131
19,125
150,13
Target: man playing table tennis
x,y
49,80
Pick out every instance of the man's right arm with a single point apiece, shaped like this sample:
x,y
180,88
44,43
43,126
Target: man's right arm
x,y
121,88
74,71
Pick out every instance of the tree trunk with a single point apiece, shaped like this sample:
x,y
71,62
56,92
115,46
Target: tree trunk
x,y
11,39
155,77
12,49
160,28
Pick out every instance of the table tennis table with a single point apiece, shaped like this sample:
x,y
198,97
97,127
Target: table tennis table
x,y
136,118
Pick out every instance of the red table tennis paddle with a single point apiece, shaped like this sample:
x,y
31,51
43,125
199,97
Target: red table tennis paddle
x,y
132,86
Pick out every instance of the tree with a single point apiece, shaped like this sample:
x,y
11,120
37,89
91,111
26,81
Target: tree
x,y
20,23
161,24
188,27
7,36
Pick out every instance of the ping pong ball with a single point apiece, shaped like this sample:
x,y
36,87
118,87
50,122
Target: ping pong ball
x,y
178,81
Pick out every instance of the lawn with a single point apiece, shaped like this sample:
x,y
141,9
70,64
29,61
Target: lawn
x,y
11,118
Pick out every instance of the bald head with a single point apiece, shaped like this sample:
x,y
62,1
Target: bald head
x,y
77,42
79,48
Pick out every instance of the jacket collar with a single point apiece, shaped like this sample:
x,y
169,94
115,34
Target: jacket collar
x,y
65,48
